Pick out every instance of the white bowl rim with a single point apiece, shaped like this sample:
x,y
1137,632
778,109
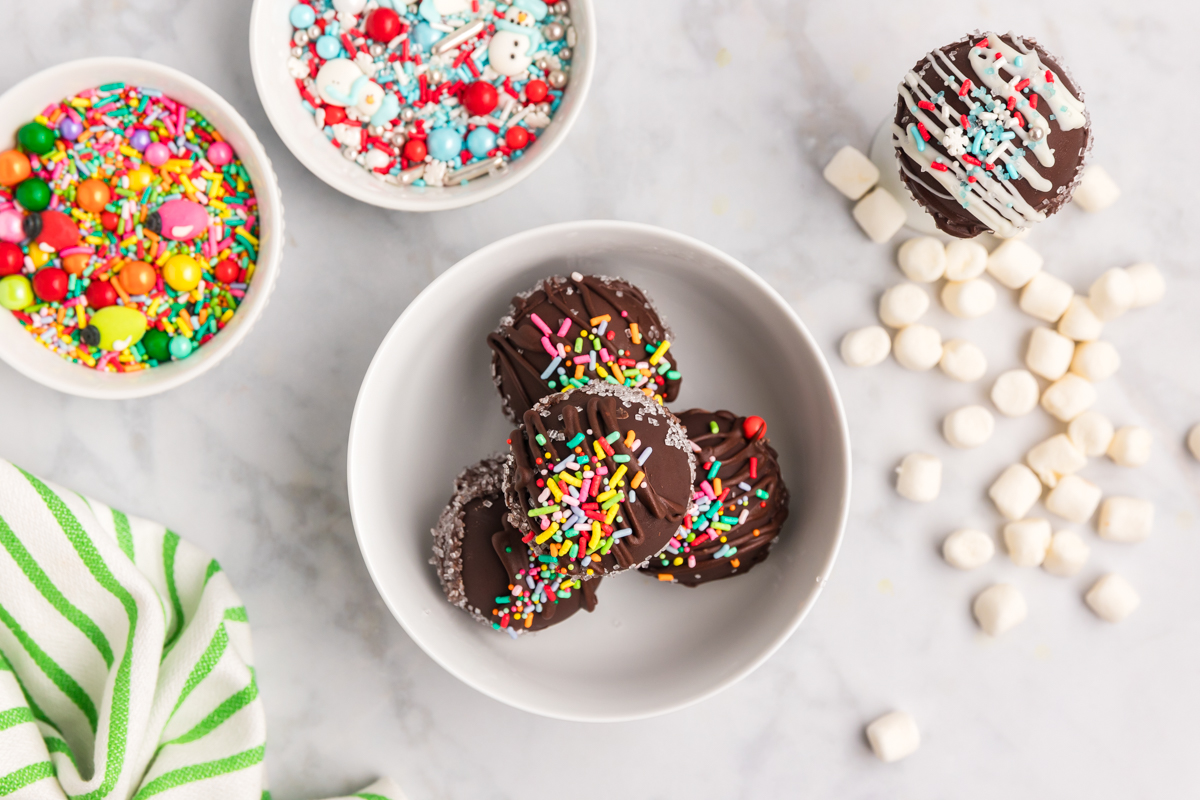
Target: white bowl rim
x,y
565,229
269,259
399,201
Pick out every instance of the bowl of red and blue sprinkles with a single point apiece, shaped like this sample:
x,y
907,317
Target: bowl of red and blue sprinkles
x,y
422,106
139,228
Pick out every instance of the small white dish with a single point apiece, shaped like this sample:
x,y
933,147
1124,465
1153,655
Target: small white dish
x,y
22,103
427,408
270,47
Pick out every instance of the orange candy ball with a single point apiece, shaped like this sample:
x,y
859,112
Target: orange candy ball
x,y
14,167
137,277
93,195
76,263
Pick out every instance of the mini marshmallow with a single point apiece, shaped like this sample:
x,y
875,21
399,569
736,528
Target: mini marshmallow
x,y
1193,442
1015,491
1096,190
894,736
1068,397
969,299
1049,354
1054,459
1074,499
1130,446
1125,519
919,477
902,305
1015,393
1067,554
1027,541
1148,284
851,172
965,260
968,549
922,259
1014,263
1091,433
1112,598
1111,295
1095,361
879,215
999,608
1079,322
1046,297
963,361
866,347
968,427
918,347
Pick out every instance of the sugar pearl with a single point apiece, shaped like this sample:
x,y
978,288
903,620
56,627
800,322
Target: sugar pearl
x,y
1112,598
968,549
918,347
999,608
968,427
965,260
903,304
969,299
1091,432
1067,554
1130,446
866,347
1125,519
963,361
1049,354
894,736
922,259
1015,491
1015,393
919,477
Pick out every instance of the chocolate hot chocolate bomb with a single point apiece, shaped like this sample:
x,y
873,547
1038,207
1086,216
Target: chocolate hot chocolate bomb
x,y
486,570
739,504
568,331
990,134
599,478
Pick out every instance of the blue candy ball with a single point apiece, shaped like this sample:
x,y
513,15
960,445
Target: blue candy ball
x,y
328,47
302,16
423,36
480,141
444,143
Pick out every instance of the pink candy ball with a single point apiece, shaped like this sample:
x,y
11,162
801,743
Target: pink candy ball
x,y
220,154
157,154
10,226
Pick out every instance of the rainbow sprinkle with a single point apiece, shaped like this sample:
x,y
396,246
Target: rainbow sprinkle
x,y
539,584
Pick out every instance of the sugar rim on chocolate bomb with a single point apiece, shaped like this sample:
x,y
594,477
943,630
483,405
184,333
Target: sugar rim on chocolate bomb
x,y
739,505
982,151
555,596
620,334
594,493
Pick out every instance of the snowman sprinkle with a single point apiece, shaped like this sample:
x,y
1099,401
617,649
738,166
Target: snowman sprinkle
x,y
435,92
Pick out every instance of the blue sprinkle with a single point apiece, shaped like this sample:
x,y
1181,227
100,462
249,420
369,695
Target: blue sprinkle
x,y
553,366
1019,61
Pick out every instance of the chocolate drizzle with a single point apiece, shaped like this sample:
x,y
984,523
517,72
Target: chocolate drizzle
x,y
519,357
749,540
595,411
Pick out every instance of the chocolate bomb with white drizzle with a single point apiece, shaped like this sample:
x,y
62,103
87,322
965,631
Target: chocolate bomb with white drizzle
x,y
598,478
486,570
990,135
738,507
568,331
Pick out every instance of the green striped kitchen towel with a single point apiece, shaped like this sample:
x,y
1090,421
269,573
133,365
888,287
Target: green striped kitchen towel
x,y
125,662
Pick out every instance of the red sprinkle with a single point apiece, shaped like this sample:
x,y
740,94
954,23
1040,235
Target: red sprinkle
x,y
982,43
1020,119
939,166
922,130
928,106
1049,76
1033,100
966,124
966,87
970,179
972,160
1012,101
1021,86
753,467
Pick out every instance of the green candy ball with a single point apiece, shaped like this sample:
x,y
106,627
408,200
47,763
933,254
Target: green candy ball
x,y
157,345
15,292
36,138
181,347
33,194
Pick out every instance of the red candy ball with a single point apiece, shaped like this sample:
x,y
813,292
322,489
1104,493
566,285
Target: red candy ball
x,y
11,259
480,98
383,25
517,137
58,230
536,91
227,271
334,115
101,294
50,284
414,150
754,428
109,220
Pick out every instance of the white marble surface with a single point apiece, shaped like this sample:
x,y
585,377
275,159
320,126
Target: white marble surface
x,y
249,461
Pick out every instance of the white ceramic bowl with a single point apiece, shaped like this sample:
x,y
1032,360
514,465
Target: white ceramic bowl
x,y
27,99
270,47
427,408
